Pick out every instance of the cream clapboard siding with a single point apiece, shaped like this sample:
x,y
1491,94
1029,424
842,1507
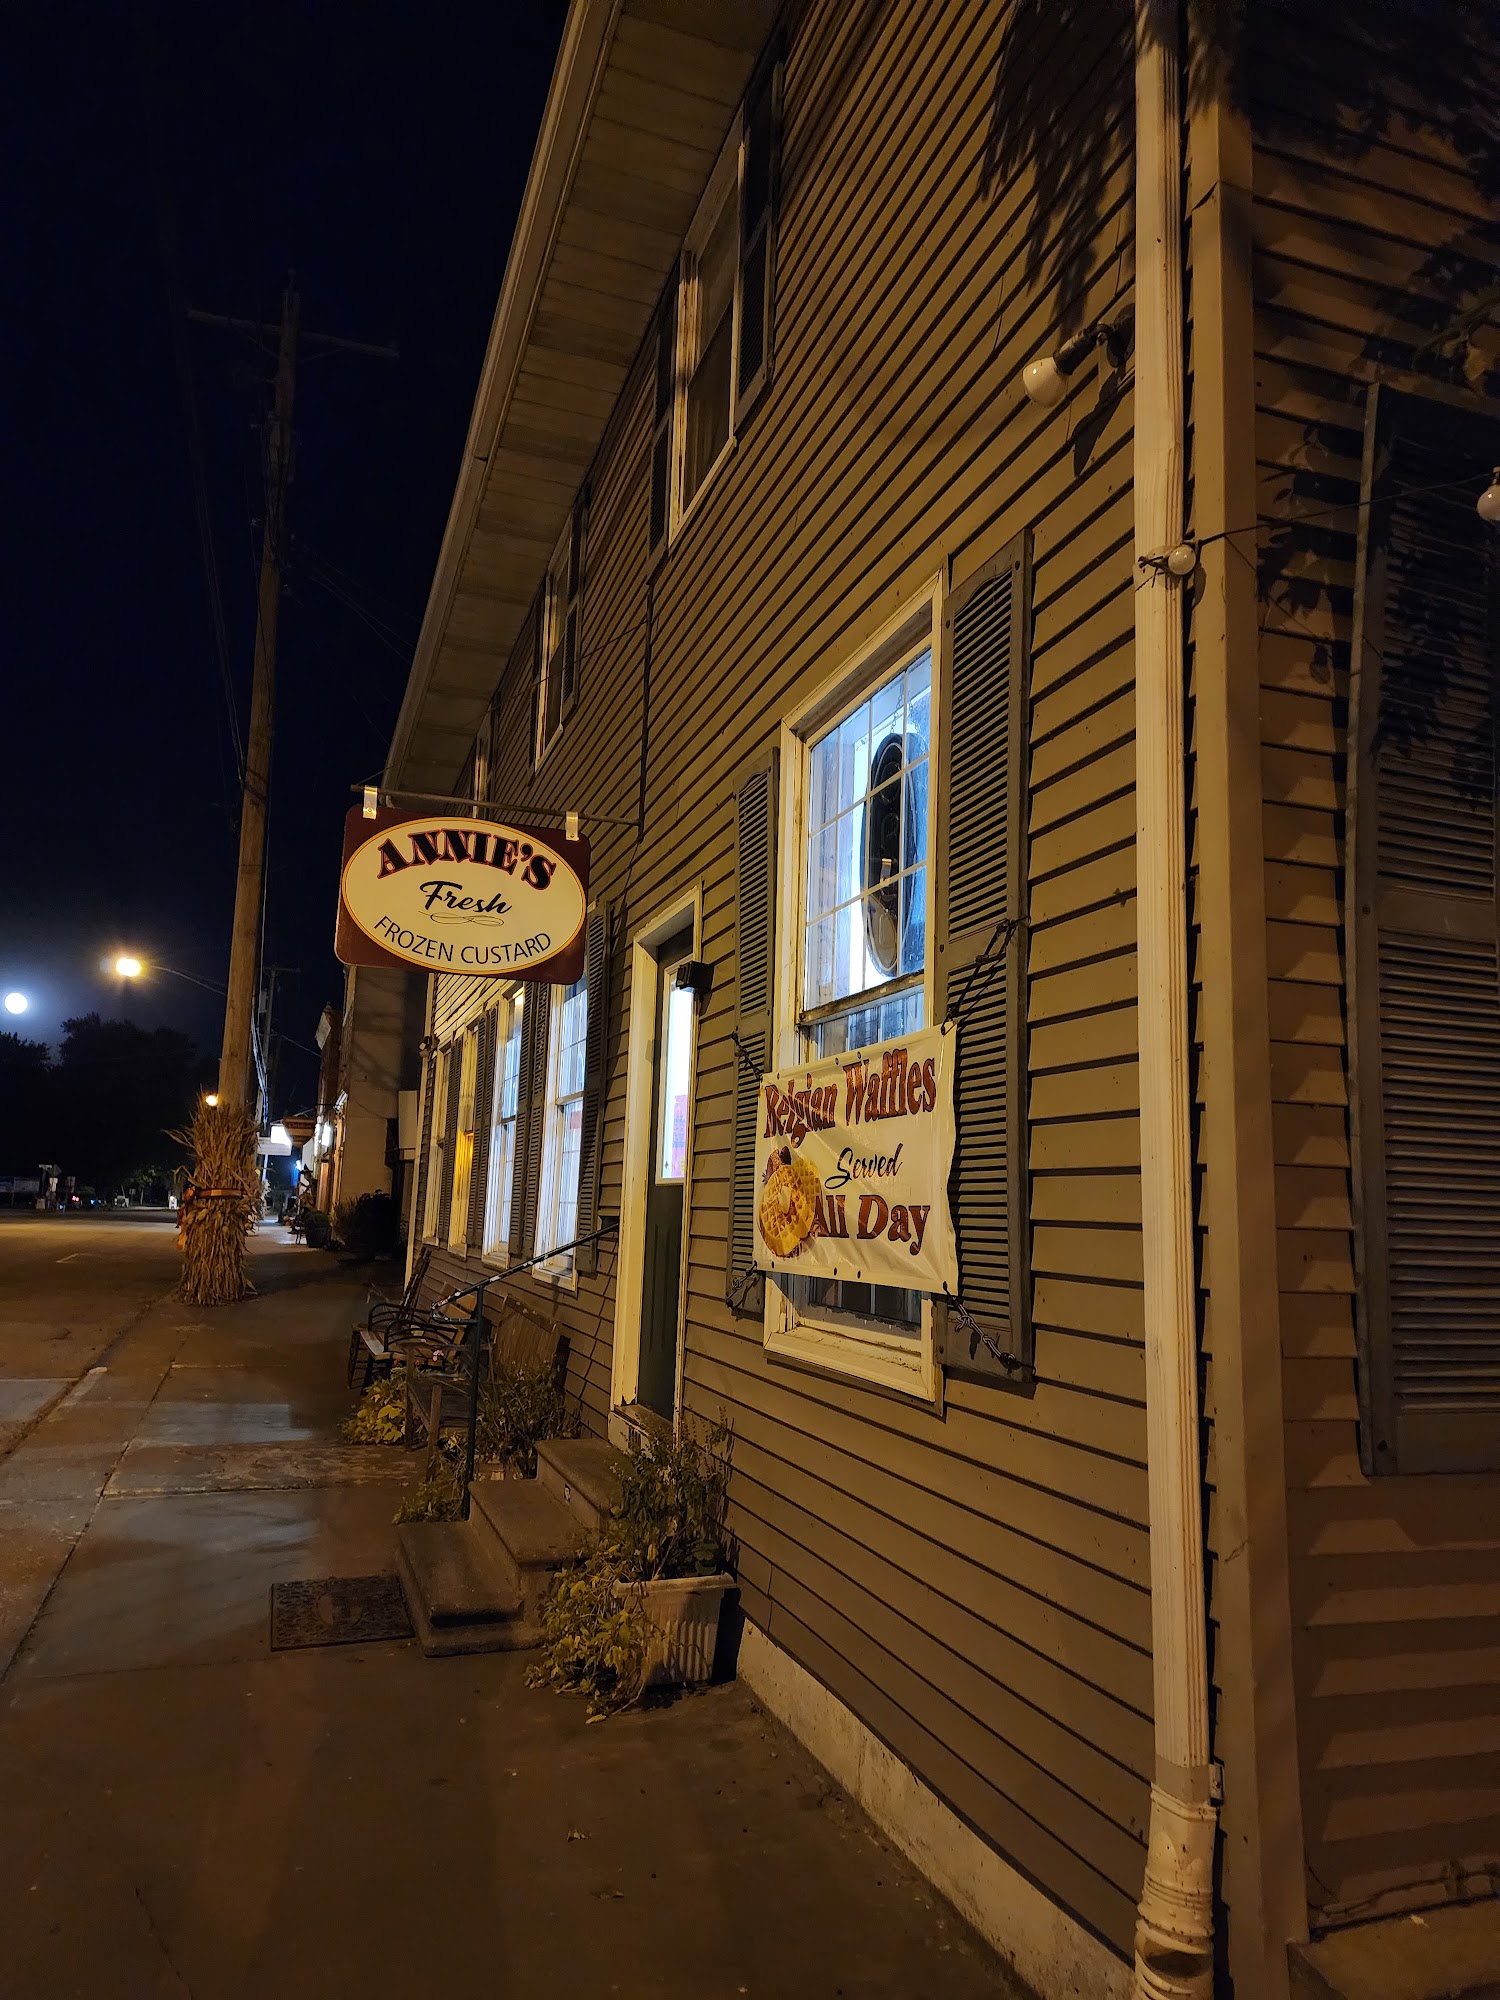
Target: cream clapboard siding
x,y
975,1584
1396,1581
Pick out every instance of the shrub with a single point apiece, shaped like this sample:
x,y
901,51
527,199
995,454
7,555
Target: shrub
x,y
366,1227
517,1408
380,1416
440,1495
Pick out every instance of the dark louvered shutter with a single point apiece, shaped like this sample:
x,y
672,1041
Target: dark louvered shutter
x,y
536,1024
755,936
484,1113
595,1081
759,188
981,835
661,422
423,1161
1422,942
449,1135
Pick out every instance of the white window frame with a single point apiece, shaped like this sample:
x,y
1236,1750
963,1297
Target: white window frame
x,y
432,1193
561,1270
466,1048
724,183
904,1363
500,1177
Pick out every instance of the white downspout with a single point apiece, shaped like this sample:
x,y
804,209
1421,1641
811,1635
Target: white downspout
x,y
1174,1928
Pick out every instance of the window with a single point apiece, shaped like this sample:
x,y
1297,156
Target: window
x,y
460,1168
500,1187
706,359
863,955
713,335
559,631
436,1176
675,1109
562,1127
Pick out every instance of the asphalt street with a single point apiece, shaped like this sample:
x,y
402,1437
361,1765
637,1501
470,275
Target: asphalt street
x,y
69,1286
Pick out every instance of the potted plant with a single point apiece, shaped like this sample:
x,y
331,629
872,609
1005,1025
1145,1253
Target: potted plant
x,y
642,1609
315,1227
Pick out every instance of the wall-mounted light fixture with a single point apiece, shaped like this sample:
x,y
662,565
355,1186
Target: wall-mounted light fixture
x,y
1045,379
1487,506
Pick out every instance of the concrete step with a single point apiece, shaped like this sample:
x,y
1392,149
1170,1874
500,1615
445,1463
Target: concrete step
x,y
459,1597
529,1534
584,1474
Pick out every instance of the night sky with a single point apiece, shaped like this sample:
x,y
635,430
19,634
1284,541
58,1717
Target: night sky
x,y
166,154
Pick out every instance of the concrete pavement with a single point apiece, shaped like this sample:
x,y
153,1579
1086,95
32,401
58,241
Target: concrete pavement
x,y
183,1812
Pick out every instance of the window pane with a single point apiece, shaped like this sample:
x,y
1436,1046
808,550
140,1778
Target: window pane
x,y
716,262
824,790
677,1063
877,814
822,871
914,920
708,409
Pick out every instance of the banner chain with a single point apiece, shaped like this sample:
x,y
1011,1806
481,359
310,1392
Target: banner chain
x,y
990,957
1009,1361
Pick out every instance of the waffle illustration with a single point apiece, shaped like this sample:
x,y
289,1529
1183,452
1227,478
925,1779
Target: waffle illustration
x,y
792,1186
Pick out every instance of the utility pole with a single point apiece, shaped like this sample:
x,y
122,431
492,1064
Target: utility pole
x,y
244,949
239,1004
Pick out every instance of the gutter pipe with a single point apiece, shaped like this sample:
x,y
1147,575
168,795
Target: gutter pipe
x,y
1174,1942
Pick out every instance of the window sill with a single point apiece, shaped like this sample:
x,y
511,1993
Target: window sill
x,y
899,1368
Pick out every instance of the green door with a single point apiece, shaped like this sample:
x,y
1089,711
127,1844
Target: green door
x,y
671,1120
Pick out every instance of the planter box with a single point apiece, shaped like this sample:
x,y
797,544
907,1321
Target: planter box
x,y
685,1612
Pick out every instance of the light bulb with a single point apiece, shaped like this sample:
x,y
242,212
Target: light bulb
x,y
1044,382
1182,560
1488,504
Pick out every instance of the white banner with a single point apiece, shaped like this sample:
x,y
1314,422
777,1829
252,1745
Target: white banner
x,y
852,1155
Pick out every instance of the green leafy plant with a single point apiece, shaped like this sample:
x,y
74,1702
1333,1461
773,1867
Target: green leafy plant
x,y
596,1636
518,1407
380,1415
670,1520
596,1639
440,1495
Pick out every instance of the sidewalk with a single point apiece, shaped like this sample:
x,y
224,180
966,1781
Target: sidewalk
x,y
184,1813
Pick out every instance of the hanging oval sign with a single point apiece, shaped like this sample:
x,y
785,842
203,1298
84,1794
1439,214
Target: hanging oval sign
x,y
448,894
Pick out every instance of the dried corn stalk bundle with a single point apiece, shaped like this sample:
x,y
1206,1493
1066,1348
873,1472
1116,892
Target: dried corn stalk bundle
x,y
219,1204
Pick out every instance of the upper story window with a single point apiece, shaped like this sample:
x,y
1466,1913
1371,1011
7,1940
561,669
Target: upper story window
x,y
559,632
713,336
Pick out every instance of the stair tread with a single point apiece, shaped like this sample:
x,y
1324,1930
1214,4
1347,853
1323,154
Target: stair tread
x,y
590,1465
535,1528
456,1579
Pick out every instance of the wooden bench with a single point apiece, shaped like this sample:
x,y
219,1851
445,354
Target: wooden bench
x,y
386,1320
440,1352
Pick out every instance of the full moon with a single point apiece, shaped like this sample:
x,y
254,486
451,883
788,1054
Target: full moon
x,y
16,1003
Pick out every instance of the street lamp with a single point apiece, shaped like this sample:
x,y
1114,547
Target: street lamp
x,y
16,1003
128,967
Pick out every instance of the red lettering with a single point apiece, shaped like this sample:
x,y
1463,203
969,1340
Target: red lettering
x,y
873,1205
929,1083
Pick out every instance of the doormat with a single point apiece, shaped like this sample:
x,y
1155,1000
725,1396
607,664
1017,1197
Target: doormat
x,y
337,1611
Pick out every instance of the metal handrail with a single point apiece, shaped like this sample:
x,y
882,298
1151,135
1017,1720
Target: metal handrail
x,y
476,1332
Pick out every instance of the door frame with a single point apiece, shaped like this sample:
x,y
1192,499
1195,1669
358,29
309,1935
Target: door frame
x,y
640,1078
